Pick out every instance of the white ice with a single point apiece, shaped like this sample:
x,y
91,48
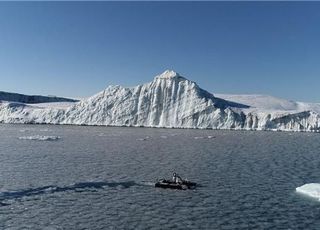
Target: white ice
x,y
270,103
40,138
170,101
311,190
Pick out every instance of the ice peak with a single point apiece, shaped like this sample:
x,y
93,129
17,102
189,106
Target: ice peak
x,y
168,74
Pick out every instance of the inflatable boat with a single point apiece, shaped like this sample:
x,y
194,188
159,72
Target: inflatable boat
x,y
185,184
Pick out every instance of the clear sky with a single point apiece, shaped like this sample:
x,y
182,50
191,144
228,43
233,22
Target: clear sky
x,y
79,48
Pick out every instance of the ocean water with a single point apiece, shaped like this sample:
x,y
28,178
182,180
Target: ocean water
x,y
103,178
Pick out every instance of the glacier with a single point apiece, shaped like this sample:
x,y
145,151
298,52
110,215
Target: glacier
x,y
169,101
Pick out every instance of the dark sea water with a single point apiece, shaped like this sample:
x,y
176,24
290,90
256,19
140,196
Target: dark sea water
x,y
102,178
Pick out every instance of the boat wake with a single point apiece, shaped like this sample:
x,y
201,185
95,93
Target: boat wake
x,y
147,183
77,187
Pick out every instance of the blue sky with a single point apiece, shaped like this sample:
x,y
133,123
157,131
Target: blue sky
x,y
79,48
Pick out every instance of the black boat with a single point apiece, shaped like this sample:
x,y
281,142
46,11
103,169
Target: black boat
x,y
185,184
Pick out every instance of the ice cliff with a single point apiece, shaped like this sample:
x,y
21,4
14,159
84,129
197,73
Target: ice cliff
x,y
170,100
31,99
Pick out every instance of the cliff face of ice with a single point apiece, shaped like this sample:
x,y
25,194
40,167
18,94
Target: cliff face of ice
x,y
169,100
31,99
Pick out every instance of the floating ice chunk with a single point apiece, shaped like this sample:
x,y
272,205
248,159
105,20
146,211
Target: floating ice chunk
x,y
143,139
208,137
40,138
30,130
311,190
44,130
164,137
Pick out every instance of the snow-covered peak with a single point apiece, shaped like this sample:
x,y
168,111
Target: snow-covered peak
x,y
168,74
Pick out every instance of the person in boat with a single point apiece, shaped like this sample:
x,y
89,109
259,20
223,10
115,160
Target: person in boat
x,y
176,178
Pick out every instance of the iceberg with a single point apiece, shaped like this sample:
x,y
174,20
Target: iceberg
x,y
311,190
169,101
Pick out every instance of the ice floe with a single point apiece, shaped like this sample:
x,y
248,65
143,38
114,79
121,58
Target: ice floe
x,y
208,137
34,129
40,138
311,190
143,138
